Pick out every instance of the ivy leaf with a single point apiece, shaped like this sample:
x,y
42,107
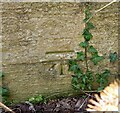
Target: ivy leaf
x,y
98,76
88,15
75,80
89,73
72,62
76,86
79,75
89,87
87,35
74,68
1,74
4,91
84,79
91,49
102,78
85,20
84,44
80,56
96,58
106,73
113,57
82,86
90,25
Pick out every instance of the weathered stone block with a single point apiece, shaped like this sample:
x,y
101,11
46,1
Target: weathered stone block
x,y
39,38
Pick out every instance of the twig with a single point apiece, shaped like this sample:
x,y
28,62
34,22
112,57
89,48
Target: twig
x,y
87,94
83,102
6,108
86,59
105,6
101,9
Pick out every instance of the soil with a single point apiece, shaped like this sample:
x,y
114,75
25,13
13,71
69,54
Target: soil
x,y
63,105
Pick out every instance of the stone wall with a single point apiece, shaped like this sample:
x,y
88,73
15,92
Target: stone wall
x,y
0,47
38,38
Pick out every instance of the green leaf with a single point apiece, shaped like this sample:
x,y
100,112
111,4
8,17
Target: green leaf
x,y
79,75
98,76
89,87
39,98
89,25
4,91
85,20
87,35
84,79
91,49
82,86
102,78
76,86
100,88
1,74
88,15
36,99
75,80
106,73
96,58
84,44
74,68
32,99
81,56
72,62
113,57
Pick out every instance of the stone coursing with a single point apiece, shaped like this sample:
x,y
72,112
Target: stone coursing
x,y
38,38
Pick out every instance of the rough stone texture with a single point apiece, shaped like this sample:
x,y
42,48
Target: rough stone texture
x,y
38,38
106,32
0,47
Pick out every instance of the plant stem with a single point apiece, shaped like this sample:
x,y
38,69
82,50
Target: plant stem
x,y
6,108
86,60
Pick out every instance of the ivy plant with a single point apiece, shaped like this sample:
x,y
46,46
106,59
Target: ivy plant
x,y
83,78
4,91
113,57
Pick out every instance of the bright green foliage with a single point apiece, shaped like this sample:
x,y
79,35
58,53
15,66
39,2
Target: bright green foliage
x,y
37,99
84,44
83,77
113,57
